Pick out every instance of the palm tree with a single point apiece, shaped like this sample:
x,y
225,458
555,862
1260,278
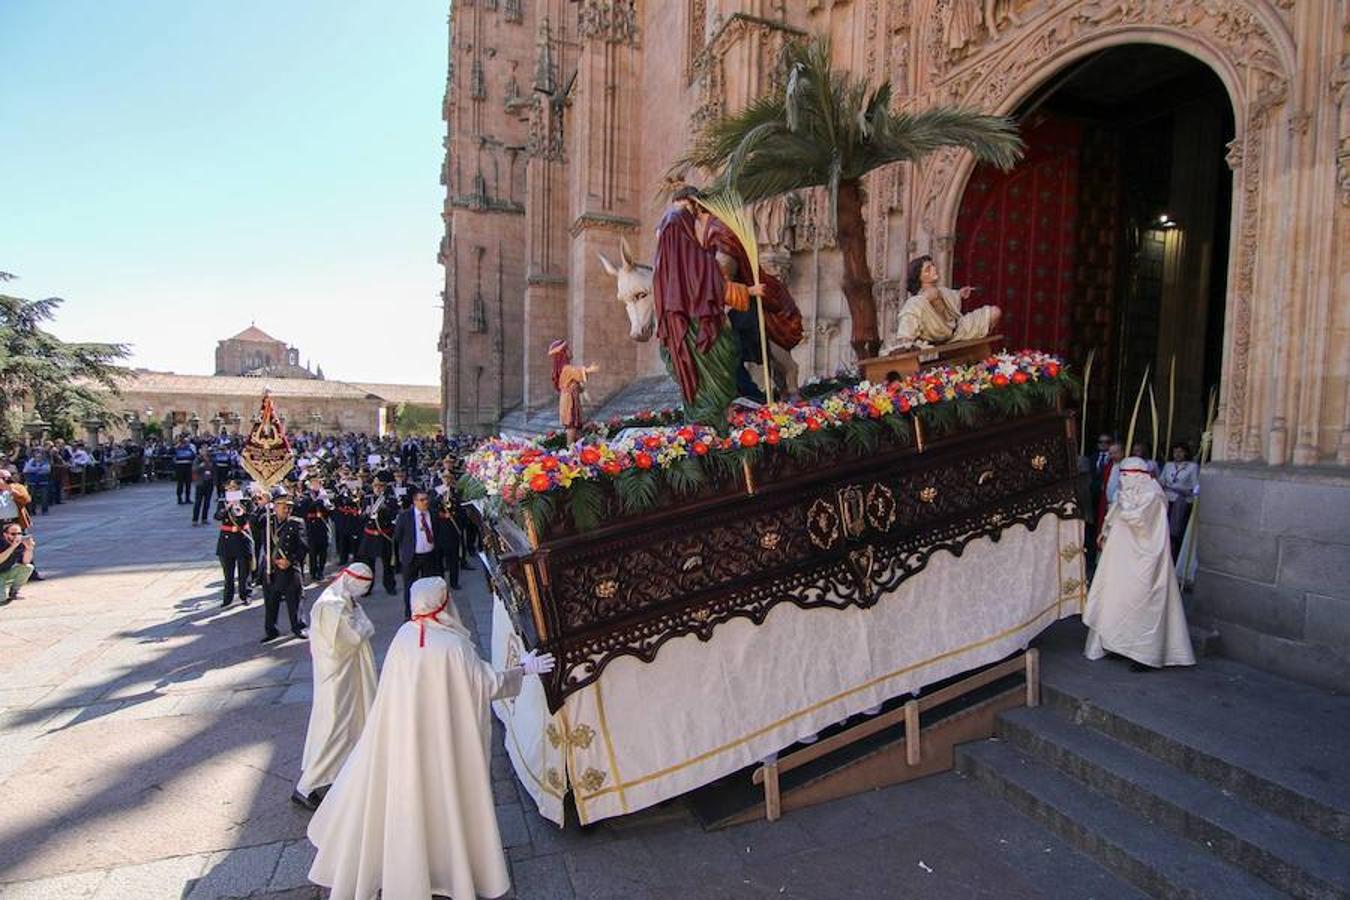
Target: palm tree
x,y
828,129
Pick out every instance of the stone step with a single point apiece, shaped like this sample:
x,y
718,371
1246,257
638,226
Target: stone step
x,y
1283,853
1277,744
1152,858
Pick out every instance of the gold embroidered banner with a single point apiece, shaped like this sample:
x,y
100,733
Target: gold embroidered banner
x,y
267,454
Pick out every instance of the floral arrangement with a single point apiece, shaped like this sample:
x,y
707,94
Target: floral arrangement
x,y
526,475
557,440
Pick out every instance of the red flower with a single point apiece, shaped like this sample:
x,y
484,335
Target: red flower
x,y
685,434
1000,380
651,442
590,456
539,483
1019,377
700,448
550,464
931,395
643,459
904,405
812,424
1052,369
610,467
772,437
529,456
749,438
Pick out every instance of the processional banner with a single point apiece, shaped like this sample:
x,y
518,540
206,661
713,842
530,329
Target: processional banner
x,y
267,456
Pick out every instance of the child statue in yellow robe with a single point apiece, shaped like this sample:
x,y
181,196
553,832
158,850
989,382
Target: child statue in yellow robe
x,y
570,382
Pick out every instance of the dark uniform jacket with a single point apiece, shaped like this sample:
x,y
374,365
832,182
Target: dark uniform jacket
x,y
236,533
289,542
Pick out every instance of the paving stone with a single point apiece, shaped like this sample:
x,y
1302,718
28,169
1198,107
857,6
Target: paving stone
x,y
237,873
511,824
299,693
293,867
542,878
164,879
79,886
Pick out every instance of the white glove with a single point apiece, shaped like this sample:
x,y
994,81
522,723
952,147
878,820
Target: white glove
x,y
535,663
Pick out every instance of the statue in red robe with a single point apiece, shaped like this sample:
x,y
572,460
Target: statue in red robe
x,y
690,296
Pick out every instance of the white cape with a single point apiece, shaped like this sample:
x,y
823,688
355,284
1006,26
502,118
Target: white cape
x,y
344,686
1134,607
411,813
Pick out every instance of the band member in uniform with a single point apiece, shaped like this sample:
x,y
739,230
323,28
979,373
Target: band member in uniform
x,y
347,517
447,530
257,525
287,550
223,460
377,533
183,456
402,489
315,507
234,546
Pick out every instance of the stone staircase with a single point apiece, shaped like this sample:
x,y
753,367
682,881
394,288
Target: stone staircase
x,y
1219,781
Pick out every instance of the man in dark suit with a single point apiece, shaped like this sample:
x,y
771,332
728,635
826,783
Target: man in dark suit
x,y
415,538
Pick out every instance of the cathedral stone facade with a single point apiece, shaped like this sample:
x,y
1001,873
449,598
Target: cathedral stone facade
x,y
1184,207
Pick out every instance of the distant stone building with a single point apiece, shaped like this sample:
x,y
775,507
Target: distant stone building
x,y
1184,201
253,352
249,363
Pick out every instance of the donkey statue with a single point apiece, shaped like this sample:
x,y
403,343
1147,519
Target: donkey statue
x,y
634,282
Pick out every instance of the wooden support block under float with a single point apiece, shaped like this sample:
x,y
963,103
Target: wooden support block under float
x,y
901,760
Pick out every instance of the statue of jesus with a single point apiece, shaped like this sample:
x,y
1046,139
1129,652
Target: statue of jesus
x,y
932,314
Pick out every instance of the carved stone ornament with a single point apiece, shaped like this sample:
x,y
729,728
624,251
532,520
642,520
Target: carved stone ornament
x,y
611,21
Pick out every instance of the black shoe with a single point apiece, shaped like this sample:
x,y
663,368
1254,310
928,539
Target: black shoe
x,y
300,634
308,803
36,576
243,598
454,585
270,638
466,564
225,602
1140,667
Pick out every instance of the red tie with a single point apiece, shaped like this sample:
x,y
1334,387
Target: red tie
x,y
426,529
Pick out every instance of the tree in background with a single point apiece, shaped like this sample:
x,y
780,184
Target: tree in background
x,y
829,129
65,383
422,421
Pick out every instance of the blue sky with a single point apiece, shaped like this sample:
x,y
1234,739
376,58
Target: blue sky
x,y
175,170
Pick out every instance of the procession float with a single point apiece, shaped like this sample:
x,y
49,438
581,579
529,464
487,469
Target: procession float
x,y
714,595
796,597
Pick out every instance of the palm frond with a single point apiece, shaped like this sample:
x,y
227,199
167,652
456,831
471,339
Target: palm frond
x,y
829,126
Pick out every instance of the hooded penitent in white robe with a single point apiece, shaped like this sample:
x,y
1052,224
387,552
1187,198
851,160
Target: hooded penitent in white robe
x,y
411,814
921,325
344,677
1134,607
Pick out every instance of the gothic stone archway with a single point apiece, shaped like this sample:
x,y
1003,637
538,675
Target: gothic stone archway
x,y
1251,52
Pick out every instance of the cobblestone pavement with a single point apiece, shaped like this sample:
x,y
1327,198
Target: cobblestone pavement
x,y
148,746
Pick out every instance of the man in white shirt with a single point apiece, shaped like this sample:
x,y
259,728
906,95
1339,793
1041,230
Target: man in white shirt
x,y
415,539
